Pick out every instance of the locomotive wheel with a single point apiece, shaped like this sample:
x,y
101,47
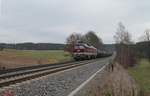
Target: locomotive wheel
x,y
76,59
89,57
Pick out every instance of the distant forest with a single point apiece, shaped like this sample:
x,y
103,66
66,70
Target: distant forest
x,y
142,48
43,46
32,46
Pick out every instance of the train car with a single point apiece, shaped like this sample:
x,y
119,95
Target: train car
x,y
102,53
83,51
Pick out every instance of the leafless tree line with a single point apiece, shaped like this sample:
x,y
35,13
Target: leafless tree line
x,y
122,35
89,38
146,36
125,54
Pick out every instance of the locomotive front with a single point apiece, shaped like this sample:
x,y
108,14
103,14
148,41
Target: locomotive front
x,y
83,51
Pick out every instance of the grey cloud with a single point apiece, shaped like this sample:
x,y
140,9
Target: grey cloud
x,y
54,20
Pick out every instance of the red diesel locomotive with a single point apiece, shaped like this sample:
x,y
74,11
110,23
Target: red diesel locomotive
x,y
83,51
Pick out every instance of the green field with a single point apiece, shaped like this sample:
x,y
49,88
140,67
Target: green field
x,y
58,55
18,58
141,73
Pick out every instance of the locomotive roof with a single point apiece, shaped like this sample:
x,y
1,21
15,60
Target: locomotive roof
x,y
85,45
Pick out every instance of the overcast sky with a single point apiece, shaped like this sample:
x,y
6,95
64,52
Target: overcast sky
x,y
54,20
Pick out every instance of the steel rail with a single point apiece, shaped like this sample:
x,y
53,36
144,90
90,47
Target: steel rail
x,y
27,71
42,72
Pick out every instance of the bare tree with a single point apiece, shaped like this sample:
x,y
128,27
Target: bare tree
x,y
147,33
122,35
146,36
92,39
71,40
74,38
124,52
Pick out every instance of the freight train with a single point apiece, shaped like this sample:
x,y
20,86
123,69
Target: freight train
x,y
82,51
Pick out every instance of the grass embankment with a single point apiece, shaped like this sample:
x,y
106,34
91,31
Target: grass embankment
x,y
18,58
119,83
114,83
141,73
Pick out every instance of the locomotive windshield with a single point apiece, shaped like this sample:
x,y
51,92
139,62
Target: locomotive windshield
x,y
79,47
82,46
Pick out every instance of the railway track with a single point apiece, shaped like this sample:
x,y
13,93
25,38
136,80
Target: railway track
x,y
32,73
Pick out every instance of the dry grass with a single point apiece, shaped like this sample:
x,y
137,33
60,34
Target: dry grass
x,y
111,83
116,83
20,58
119,83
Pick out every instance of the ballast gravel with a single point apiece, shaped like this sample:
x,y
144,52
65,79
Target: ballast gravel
x,y
57,84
